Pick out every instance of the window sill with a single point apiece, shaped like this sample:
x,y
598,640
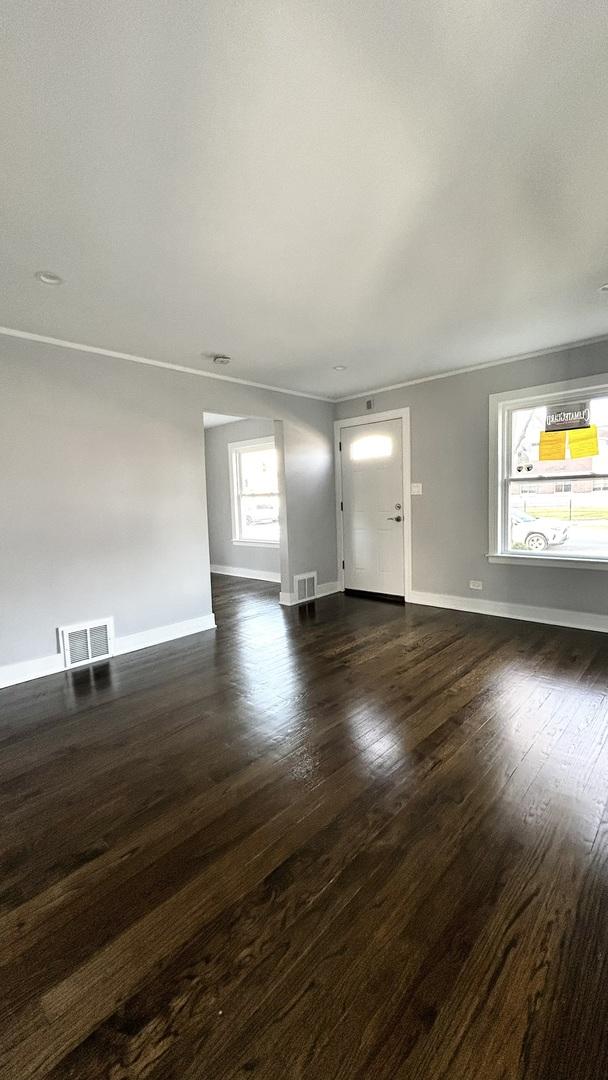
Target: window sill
x,y
573,563
257,543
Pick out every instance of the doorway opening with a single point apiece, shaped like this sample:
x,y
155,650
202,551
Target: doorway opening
x,y
243,479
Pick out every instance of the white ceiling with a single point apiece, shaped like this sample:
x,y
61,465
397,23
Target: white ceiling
x,y
211,419
400,187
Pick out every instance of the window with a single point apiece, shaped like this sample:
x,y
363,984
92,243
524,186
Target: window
x,y
549,478
254,492
370,447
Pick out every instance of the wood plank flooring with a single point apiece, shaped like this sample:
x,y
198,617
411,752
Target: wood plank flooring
x,y
340,842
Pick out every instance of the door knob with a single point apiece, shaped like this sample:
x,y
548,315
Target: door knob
x,y
397,518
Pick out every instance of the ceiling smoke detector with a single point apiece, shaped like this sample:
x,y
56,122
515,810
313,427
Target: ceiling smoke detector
x,y
216,358
47,277
339,367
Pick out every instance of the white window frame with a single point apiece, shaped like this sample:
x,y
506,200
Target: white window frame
x,y
234,449
501,406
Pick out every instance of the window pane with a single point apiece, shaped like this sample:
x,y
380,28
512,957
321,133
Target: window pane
x,y
369,447
259,471
543,518
527,425
260,518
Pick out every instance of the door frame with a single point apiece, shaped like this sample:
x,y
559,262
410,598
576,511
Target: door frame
x,y
360,421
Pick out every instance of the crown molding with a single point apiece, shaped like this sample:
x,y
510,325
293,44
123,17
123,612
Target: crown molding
x,y
44,339
476,367
26,335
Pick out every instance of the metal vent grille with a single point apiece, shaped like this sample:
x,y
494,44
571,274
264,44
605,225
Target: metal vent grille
x,y
99,639
306,586
86,642
78,646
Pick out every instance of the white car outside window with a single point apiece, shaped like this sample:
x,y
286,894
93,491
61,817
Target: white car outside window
x,y
536,534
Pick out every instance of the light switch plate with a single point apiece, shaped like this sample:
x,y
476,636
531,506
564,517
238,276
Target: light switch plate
x,y
416,489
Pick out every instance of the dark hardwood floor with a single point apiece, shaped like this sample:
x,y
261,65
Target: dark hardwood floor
x,y
346,841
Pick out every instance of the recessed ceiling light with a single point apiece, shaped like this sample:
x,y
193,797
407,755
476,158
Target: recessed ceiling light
x,y
47,277
339,367
604,287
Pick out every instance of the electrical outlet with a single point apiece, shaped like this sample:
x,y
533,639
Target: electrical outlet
x,y
476,585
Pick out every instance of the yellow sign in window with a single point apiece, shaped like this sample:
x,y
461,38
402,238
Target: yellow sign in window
x,y
583,442
552,446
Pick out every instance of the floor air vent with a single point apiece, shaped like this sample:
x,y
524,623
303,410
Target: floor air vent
x,y
306,587
84,643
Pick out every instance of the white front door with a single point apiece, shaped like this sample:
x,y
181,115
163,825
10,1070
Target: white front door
x,y
372,504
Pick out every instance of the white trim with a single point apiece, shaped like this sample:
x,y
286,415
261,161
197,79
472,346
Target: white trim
x,y
357,421
26,335
497,452
233,490
159,634
288,599
262,442
59,342
11,674
578,620
547,391
241,571
577,562
328,588
254,444
546,351
499,449
256,543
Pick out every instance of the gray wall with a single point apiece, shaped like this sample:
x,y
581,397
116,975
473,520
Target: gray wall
x,y
103,503
222,550
449,419
311,520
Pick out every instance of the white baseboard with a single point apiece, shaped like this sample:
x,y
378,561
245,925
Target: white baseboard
x,y
241,571
328,588
159,634
577,620
11,674
290,600
25,670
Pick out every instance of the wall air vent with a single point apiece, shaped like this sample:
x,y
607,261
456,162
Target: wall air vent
x,y
305,586
84,643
